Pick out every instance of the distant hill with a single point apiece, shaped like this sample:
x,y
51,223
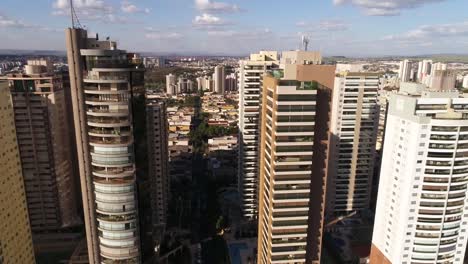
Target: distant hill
x,y
32,52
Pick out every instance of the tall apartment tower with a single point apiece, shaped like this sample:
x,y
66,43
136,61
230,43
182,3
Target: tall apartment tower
x,y
158,165
293,164
171,87
15,232
404,73
438,66
250,72
422,210
424,69
354,125
219,77
103,81
443,80
41,121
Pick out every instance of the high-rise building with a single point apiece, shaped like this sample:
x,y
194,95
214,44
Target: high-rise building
x,y
231,82
158,166
404,74
422,209
250,72
184,85
219,76
424,69
293,164
200,83
209,83
465,82
439,66
41,122
443,80
15,232
354,125
103,82
171,87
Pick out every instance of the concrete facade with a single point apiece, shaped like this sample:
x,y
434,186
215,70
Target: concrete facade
x,y
293,165
421,206
15,232
103,81
250,72
354,125
41,121
158,166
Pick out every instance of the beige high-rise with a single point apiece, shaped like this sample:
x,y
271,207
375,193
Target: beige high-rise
x,y
250,73
103,80
354,125
43,137
293,163
15,232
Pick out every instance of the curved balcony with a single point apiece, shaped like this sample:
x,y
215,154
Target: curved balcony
x,y
117,253
112,198
118,225
108,133
128,208
107,122
111,163
114,186
105,79
114,141
114,172
118,236
107,112
119,219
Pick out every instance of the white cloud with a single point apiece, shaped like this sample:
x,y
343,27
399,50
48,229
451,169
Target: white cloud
x,y
208,20
325,25
154,33
128,7
8,22
215,7
83,4
96,10
163,36
385,7
431,32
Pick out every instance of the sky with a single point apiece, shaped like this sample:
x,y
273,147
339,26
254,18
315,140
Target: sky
x,y
240,27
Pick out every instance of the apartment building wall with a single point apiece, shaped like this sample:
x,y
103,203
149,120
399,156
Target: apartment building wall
x,y
15,232
41,122
157,131
293,165
421,206
250,72
354,125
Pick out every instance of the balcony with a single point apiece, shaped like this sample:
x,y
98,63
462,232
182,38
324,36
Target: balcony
x,y
107,112
115,141
116,253
102,132
114,172
90,78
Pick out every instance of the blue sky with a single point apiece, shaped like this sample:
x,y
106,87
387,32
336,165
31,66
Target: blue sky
x,y
238,27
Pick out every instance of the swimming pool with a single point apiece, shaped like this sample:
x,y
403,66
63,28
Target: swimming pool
x,y
234,252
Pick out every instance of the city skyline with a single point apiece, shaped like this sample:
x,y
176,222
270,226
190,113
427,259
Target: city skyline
x,y
240,27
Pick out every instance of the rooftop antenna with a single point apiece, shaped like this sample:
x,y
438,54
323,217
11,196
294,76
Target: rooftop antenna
x,y
74,17
305,42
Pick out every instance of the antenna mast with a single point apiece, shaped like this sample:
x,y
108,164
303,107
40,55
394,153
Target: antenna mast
x,y
74,17
305,42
